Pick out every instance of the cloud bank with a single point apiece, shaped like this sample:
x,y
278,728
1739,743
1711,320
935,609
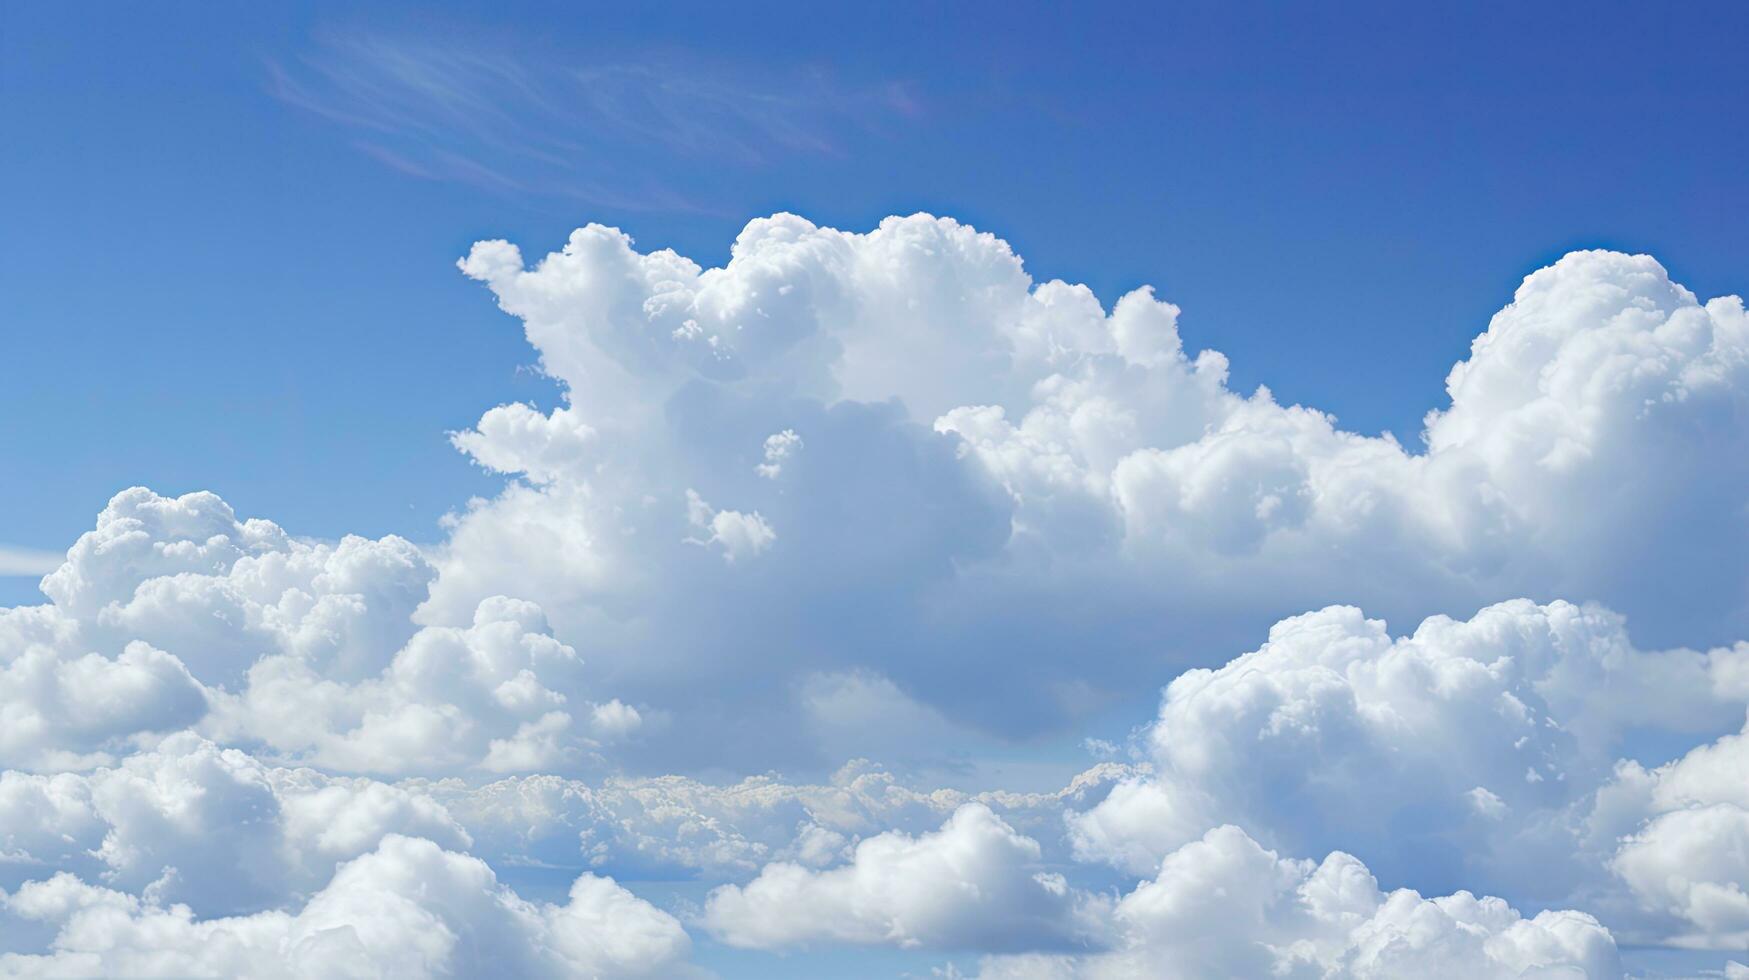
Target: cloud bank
x,y
812,545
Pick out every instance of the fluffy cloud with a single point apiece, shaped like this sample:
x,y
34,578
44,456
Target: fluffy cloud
x,y
1680,833
998,468
407,908
885,494
1222,905
184,574
212,828
975,883
738,535
166,601
451,700
1603,381
65,707
266,640
1334,735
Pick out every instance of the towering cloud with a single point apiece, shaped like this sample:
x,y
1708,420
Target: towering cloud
x,y
978,441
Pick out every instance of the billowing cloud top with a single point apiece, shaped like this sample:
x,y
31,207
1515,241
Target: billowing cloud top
x,y
959,443
873,510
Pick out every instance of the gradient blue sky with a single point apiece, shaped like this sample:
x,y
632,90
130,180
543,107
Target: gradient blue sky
x,y
227,252
224,222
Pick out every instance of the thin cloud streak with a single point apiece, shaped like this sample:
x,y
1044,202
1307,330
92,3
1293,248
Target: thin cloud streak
x,y
641,136
18,562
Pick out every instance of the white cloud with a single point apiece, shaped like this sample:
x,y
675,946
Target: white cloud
x,y
976,883
407,908
517,438
214,828
45,820
1013,509
305,647
778,447
1331,734
1222,905
67,707
1680,840
499,695
739,535
186,575
997,468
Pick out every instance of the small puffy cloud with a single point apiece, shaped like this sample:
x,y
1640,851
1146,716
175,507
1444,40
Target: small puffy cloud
x,y
614,720
517,438
739,535
976,883
408,908
1223,905
778,447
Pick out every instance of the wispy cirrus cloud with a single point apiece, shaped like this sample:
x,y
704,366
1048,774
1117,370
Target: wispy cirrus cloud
x,y
649,134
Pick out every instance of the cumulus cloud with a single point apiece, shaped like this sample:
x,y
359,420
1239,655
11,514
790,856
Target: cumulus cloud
x,y
212,828
886,494
1335,735
452,699
778,447
979,442
975,883
407,908
1222,905
738,535
184,574
517,438
1680,835
1597,362
63,708
167,601
305,648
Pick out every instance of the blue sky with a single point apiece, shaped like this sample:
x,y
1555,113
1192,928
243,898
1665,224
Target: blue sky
x,y
802,560
211,264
